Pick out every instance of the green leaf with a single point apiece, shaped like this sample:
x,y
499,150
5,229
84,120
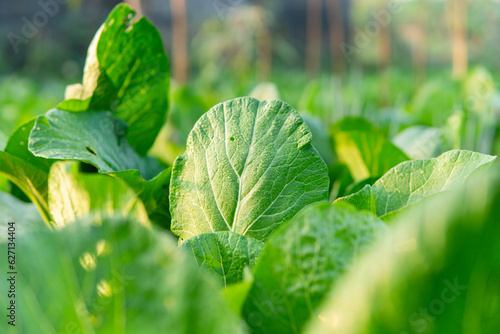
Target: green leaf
x,y
126,71
437,271
3,140
224,254
300,263
153,193
236,294
412,181
26,171
249,166
73,195
95,137
364,149
25,215
29,178
18,146
112,276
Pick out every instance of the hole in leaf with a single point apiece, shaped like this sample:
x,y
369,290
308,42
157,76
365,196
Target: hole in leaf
x,y
88,168
90,150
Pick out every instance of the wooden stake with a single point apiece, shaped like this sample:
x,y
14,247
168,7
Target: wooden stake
x,y
384,40
264,48
336,32
313,37
179,40
136,5
457,16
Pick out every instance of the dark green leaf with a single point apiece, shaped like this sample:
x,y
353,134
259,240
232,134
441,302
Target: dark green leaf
x,y
126,71
95,137
18,146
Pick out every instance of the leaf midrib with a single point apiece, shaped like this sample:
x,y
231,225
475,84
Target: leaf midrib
x,y
239,177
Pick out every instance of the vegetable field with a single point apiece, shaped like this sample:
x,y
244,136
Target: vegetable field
x,y
138,204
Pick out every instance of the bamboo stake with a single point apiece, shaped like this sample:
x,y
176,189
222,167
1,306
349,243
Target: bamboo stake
x,y
264,49
179,40
336,32
457,15
136,5
384,41
313,37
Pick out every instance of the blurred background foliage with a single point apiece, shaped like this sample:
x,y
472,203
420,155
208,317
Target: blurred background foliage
x,y
424,72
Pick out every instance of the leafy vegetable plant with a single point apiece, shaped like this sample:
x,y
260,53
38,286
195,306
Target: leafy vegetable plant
x,y
239,234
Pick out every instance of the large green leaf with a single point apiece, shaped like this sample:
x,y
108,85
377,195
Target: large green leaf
x,y
95,137
111,276
300,263
249,166
225,254
364,149
126,71
73,195
412,181
436,272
